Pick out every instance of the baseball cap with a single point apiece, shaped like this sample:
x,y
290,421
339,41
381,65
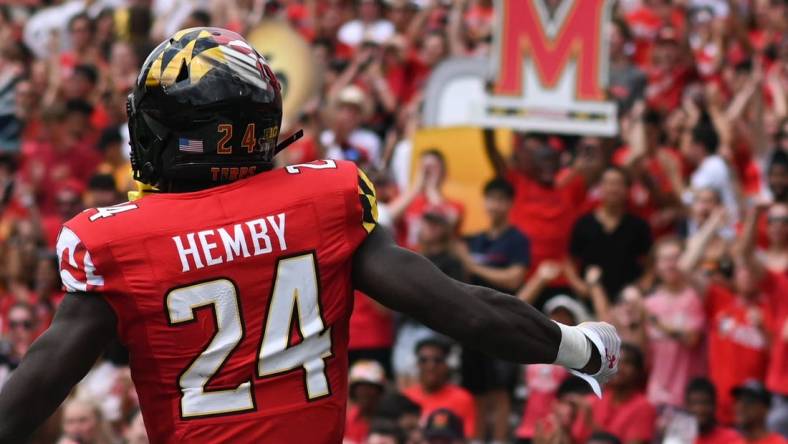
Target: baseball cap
x,y
367,372
753,390
569,304
355,96
443,423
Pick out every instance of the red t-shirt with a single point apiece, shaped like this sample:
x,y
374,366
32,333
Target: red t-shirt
x,y
234,307
631,420
371,325
452,397
645,23
356,427
408,229
51,166
666,87
776,287
738,348
545,214
542,381
720,435
771,438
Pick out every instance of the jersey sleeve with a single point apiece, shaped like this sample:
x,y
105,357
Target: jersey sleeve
x,y
363,211
77,268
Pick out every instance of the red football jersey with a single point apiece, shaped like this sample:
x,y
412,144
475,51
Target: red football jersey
x,y
233,301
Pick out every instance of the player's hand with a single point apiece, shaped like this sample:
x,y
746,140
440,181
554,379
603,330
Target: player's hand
x,y
608,344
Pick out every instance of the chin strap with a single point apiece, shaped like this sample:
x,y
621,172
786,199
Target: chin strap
x,y
287,142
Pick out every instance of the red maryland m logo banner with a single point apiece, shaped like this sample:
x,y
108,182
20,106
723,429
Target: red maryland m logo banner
x,y
574,32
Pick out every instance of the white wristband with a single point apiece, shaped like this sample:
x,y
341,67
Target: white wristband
x,y
574,351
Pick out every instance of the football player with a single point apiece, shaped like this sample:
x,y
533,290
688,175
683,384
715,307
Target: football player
x,y
231,284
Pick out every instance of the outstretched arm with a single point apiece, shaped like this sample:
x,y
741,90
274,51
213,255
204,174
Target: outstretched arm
x,y
82,327
501,325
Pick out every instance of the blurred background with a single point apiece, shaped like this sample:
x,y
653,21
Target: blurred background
x,y
625,161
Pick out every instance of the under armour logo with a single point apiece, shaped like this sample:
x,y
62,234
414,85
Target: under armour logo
x,y
611,360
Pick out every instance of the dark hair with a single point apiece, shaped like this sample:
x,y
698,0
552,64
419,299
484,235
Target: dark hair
x,y
638,360
652,116
604,437
621,171
542,138
387,427
109,136
324,41
440,344
701,385
778,158
435,152
573,385
623,28
202,16
82,16
79,106
743,67
395,405
102,182
501,185
705,135
87,71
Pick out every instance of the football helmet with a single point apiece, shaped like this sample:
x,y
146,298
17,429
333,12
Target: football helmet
x,y
206,109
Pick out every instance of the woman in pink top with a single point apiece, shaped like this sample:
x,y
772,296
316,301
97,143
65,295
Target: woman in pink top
x,y
675,324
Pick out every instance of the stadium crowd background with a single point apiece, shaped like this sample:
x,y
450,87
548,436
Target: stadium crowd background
x,y
676,231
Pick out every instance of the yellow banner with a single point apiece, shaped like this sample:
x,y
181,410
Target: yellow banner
x,y
467,166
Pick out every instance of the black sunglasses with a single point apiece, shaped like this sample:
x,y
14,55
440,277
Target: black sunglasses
x,y
26,324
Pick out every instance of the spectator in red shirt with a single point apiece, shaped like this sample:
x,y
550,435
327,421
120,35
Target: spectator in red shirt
x,y
431,200
739,326
546,203
700,400
81,29
367,383
667,73
752,406
623,410
434,391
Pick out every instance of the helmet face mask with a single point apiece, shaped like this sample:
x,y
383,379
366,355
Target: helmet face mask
x,y
206,110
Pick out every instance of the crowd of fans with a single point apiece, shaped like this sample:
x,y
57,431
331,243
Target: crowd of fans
x,y
675,231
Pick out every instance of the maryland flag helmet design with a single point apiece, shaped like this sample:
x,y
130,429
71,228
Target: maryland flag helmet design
x,y
206,109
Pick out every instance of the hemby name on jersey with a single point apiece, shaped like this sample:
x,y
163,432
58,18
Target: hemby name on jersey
x,y
216,246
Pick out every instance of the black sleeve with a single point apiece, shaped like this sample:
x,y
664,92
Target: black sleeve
x,y
576,244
